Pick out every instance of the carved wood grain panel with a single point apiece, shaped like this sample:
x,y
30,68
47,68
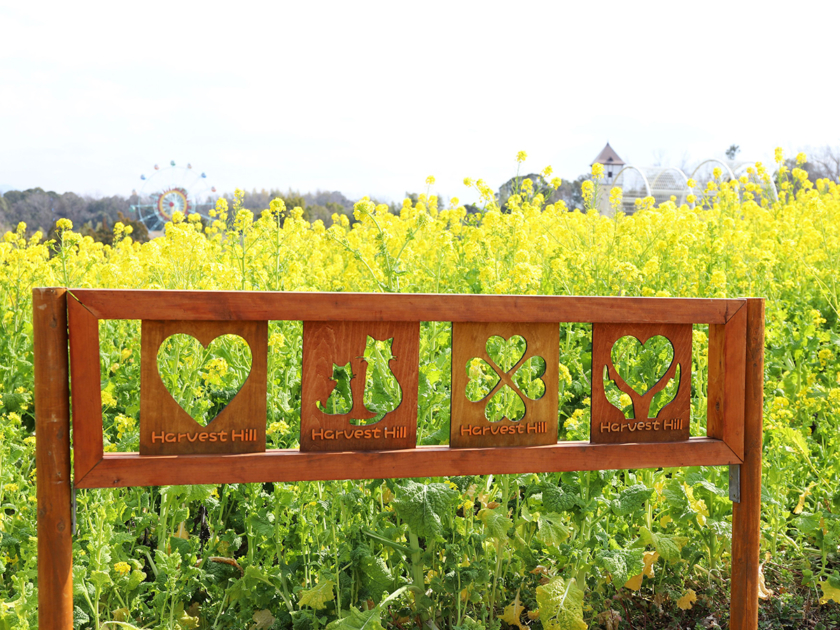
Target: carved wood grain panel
x,y
238,428
608,424
329,344
469,426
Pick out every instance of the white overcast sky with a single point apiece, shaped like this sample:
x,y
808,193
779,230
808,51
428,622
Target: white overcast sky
x,y
371,98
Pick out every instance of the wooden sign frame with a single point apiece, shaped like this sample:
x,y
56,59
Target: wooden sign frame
x,y
734,415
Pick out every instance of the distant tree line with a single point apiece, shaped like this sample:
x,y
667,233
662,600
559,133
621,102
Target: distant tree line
x,y
39,209
321,204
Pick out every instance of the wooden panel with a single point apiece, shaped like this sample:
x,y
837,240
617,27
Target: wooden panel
x,y
52,455
746,515
715,395
166,429
468,425
235,305
86,381
131,469
727,357
326,344
735,358
672,423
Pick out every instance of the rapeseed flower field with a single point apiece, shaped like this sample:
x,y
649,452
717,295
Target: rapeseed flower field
x,y
557,551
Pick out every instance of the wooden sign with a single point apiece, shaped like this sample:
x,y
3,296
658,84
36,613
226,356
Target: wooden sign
x,y
609,423
167,429
330,345
362,439
469,424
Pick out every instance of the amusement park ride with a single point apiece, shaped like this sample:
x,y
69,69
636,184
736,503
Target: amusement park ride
x,y
172,189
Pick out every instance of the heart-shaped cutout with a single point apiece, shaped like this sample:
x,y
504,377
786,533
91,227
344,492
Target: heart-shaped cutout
x,y
642,365
506,352
203,380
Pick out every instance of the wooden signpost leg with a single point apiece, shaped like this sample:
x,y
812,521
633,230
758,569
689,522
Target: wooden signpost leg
x,y
52,431
746,515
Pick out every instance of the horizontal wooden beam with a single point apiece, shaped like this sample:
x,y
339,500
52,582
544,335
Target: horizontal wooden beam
x,y
130,469
402,307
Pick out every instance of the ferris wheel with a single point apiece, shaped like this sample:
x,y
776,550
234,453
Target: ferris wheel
x,y
172,189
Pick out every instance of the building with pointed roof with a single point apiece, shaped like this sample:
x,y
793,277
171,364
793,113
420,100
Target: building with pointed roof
x,y
612,163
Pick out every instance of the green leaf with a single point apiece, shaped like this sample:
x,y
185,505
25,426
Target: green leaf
x,y
675,495
556,499
80,617
421,506
318,596
561,605
135,579
551,530
168,562
100,578
669,547
697,479
797,441
261,523
79,581
358,620
376,578
622,564
497,524
631,499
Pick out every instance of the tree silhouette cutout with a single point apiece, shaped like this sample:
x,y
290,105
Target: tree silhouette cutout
x,y
636,382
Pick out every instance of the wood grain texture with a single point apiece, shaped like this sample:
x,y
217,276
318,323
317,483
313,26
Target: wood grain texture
x,y
162,419
605,414
52,455
715,394
734,370
337,343
468,424
306,306
746,515
86,379
131,469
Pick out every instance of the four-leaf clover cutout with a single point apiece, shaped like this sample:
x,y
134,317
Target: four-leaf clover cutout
x,y
507,377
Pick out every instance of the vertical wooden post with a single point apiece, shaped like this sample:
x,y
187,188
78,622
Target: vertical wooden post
x,y
746,515
52,431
